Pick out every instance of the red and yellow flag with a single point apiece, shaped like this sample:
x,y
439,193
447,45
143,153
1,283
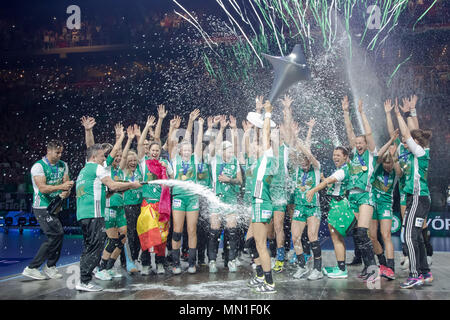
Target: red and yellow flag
x,y
151,231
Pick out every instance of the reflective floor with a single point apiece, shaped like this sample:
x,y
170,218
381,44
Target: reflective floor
x,y
203,285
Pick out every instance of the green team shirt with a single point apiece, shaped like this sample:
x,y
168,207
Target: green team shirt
x,y
263,171
383,184
116,174
91,192
134,196
203,171
229,169
279,179
306,180
184,171
151,191
403,154
248,174
54,175
339,188
416,179
361,170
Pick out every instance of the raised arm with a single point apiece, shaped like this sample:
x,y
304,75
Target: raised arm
x,y
192,116
310,125
266,126
409,109
387,110
322,185
130,135
171,139
305,150
150,123
385,148
120,135
198,145
394,155
219,138
368,130
234,135
348,123
416,149
162,113
88,123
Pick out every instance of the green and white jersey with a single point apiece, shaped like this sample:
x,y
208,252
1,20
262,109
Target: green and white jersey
x,y
54,175
116,174
279,179
416,180
229,169
361,170
339,188
184,171
403,155
203,171
151,191
263,171
91,192
306,180
383,184
133,196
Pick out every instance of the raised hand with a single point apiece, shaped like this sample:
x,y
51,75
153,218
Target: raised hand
x,y
286,101
201,121
175,122
136,130
210,122
87,122
345,104
232,122
388,106
268,106
118,128
246,125
223,121
162,113
406,105
311,122
413,102
194,115
130,132
259,103
216,120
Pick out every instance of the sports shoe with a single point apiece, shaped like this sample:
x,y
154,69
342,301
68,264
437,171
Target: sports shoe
x,y
411,282
232,266
336,273
103,275
160,269
255,281
315,275
51,272
192,269
279,266
355,262
264,287
387,272
293,259
33,273
404,264
145,271
212,266
300,272
363,273
88,287
373,275
429,260
427,278
131,267
176,269
114,274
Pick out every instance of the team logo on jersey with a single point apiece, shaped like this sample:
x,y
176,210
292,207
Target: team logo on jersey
x,y
396,224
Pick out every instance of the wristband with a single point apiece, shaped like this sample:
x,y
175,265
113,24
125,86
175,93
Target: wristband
x,y
268,115
413,113
407,114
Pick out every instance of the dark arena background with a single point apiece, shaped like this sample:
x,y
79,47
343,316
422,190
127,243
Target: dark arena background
x,y
127,57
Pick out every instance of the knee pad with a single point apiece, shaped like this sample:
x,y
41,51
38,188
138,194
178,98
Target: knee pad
x,y
176,236
215,234
316,249
233,233
119,243
362,236
110,245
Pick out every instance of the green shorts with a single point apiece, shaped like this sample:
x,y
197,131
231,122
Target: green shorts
x,y
232,201
382,210
358,199
262,212
115,217
403,199
302,213
185,203
279,198
341,216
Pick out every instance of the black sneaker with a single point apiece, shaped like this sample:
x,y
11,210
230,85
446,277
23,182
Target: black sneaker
x,y
363,275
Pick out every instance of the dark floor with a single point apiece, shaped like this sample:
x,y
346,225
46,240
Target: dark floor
x,y
17,250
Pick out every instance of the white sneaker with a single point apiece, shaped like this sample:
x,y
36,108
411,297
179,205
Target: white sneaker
x,y
192,269
103,275
405,264
88,287
238,262
429,260
176,270
114,274
300,272
212,266
33,273
51,272
160,268
232,266
315,275
145,271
